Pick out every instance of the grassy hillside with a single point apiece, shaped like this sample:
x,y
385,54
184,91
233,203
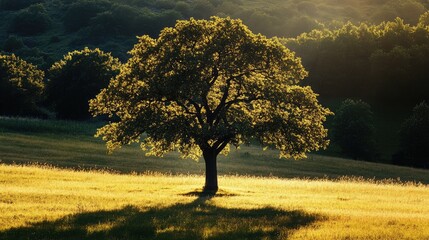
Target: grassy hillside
x,y
71,145
42,31
47,203
261,196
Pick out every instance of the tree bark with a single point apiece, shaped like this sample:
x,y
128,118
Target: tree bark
x,y
211,185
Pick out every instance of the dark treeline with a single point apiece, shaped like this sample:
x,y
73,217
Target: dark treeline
x,y
385,63
42,31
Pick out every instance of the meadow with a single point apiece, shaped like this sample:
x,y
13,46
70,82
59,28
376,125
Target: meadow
x,y
48,203
76,191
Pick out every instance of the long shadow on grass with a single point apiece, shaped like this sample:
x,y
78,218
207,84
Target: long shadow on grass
x,y
197,220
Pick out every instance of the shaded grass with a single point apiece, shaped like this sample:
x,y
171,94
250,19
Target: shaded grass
x,y
47,127
195,220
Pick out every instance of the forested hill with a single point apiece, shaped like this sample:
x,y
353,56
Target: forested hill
x,y
42,31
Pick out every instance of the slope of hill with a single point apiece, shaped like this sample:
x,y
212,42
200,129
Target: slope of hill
x,y
71,145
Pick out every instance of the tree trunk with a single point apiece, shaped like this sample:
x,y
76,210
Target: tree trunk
x,y
211,171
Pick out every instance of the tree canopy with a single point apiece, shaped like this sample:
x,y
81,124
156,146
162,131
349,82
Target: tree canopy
x,y
353,129
78,77
21,86
414,136
206,84
383,63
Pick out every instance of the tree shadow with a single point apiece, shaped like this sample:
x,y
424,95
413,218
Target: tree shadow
x,y
197,220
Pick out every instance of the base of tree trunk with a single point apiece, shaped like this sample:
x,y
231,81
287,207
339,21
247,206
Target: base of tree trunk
x,y
211,184
210,189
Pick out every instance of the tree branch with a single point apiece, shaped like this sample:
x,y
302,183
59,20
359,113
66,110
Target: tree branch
x,y
185,108
198,113
206,106
221,105
221,145
215,76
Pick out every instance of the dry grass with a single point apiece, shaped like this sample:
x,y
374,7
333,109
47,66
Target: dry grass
x,y
42,202
47,203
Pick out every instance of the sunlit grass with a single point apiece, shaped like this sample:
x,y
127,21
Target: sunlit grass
x,y
45,203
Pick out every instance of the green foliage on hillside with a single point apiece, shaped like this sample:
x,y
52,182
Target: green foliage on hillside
x,y
60,26
30,21
79,14
414,136
78,77
21,86
353,129
384,62
17,4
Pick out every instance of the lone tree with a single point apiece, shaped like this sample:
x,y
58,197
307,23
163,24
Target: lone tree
x,y
206,84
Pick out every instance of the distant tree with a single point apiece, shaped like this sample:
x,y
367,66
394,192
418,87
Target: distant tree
x,y
21,86
17,4
414,138
353,129
79,14
78,77
131,21
31,21
184,8
202,9
206,84
120,20
383,63
165,4
400,75
12,44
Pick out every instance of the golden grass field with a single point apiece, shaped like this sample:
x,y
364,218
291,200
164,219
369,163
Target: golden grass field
x,y
261,196
39,202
